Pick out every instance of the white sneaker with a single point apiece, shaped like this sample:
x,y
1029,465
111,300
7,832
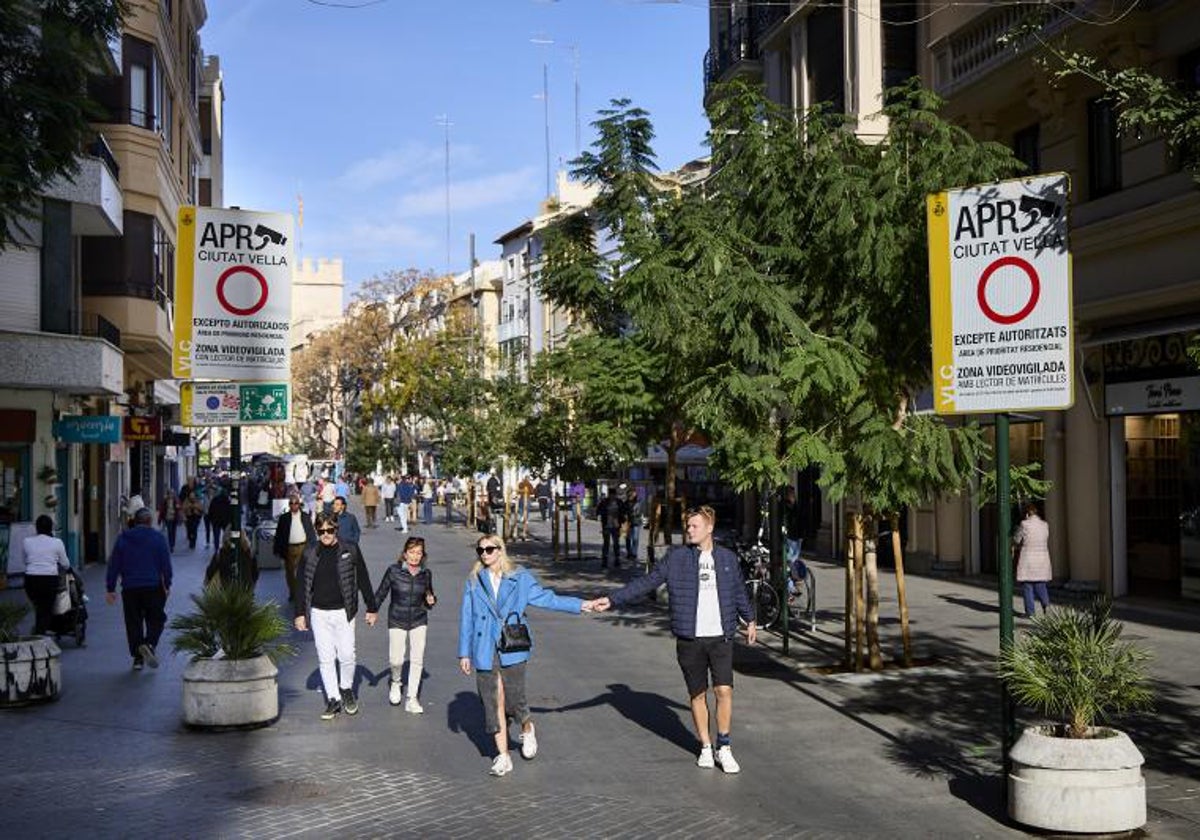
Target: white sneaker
x,y
502,765
413,707
727,761
394,693
528,744
705,761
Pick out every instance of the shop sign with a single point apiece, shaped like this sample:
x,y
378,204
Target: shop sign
x,y
235,403
1000,296
142,429
1155,396
88,429
233,295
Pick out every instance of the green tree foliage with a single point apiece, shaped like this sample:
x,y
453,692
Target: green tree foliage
x,y
48,50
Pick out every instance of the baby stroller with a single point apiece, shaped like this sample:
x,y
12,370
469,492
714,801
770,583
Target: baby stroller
x,y
70,609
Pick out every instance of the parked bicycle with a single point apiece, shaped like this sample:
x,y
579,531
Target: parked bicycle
x,y
755,560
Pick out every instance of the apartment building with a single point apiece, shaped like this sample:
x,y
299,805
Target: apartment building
x,y
1125,460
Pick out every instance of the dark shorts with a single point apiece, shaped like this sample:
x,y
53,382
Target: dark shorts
x,y
697,657
516,707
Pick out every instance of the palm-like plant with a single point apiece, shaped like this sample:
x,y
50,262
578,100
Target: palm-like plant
x,y
1071,664
229,620
12,613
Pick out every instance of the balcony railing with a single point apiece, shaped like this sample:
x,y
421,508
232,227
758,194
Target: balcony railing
x,y
739,44
100,149
99,326
975,50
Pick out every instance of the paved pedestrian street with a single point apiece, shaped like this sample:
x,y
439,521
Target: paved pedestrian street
x,y
823,756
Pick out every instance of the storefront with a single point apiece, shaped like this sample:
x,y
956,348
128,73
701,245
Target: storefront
x,y
1152,397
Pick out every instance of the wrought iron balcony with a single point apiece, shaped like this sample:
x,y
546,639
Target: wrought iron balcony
x,y
738,45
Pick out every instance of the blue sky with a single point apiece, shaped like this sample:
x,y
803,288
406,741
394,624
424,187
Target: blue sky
x,y
341,105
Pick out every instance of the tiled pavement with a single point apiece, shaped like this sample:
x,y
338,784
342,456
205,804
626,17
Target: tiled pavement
x,y
909,755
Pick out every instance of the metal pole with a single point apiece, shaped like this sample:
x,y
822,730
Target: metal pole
x,y
775,547
1004,568
546,118
235,501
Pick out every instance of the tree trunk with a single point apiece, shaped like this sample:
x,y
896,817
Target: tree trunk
x,y
669,486
901,590
871,569
859,604
848,657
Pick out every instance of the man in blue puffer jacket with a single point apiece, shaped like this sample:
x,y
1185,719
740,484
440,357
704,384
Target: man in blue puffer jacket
x,y
707,597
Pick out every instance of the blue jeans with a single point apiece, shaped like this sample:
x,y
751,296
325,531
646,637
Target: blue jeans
x,y
631,542
1029,589
427,511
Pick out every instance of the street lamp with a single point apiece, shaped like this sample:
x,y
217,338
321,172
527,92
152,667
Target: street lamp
x,y
545,96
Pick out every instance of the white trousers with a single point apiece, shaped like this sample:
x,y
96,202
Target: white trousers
x,y
334,636
402,512
415,639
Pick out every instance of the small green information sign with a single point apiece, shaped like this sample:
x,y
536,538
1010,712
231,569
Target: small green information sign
x,y
264,403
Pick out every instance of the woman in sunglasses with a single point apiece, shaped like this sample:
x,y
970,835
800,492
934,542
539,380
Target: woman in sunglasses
x,y
331,576
495,590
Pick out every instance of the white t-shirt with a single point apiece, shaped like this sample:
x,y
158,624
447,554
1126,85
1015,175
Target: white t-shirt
x,y
708,605
296,531
44,555
388,490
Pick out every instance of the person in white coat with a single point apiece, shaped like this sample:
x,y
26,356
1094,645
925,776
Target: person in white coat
x,y
45,562
1033,564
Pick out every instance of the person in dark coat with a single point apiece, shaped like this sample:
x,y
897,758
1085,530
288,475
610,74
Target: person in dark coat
x,y
225,568
294,531
141,561
707,597
409,583
220,514
331,577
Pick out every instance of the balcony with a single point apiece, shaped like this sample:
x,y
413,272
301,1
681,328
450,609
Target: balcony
x,y
511,331
973,51
70,364
736,53
97,205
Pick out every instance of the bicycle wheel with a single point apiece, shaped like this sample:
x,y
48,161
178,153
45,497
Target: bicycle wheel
x,y
763,602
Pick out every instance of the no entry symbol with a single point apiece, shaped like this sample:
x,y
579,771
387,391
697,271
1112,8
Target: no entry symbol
x,y
1035,290
224,298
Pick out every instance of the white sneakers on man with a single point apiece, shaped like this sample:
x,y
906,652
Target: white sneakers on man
x,y
705,761
727,761
528,743
394,696
502,765
413,707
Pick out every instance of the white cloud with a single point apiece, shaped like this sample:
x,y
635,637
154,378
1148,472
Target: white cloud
x,y
485,191
412,159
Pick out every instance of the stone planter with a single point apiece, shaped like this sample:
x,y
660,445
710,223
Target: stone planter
x,y
1092,785
230,692
29,671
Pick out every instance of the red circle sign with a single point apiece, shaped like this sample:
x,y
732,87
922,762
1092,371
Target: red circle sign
x,y
262,286
1034,293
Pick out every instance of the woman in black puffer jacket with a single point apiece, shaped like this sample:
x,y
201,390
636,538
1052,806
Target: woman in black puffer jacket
x,y
410,584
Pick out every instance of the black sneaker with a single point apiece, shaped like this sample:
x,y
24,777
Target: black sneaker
x,y
332,709
138,664
148,655
349,701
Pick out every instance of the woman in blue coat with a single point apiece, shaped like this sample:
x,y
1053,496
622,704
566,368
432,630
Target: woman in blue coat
x,y
495,589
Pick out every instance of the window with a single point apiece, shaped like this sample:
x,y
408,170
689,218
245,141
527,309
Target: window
x,y
193,181
1104,149
143,74
139,100
1189,70
1026,148
899,44
167,125
826,62
164,266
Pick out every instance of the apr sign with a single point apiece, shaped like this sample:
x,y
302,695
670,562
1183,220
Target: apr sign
x,y
1000,296
234,294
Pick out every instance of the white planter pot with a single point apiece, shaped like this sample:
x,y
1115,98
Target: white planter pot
x,y
30,671
1077,784
230,692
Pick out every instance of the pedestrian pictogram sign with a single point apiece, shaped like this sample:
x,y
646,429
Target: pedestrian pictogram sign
x,y
1000,296
233,295
235,403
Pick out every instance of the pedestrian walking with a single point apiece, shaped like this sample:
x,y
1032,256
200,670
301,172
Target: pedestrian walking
x,y
141,561
496,592
427,502
210,490
405,493
328,494
409,583
1034,569
168,516
332,576
542,491
220,514
193,511
233,564
45,563
388,493
634,514
611,512
707,597
370,500
792,526
349,531
294,532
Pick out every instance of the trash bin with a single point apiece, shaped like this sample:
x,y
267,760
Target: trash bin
x,y
264,546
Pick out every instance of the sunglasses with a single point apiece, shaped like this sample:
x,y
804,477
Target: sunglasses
x,y
486,549
327,530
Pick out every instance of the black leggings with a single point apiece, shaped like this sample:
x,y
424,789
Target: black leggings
x,y
41,590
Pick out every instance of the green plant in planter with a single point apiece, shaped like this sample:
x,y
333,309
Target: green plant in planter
x,y
1071,664
227,619
12,613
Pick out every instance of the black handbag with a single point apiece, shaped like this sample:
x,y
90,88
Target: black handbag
x,y
514,638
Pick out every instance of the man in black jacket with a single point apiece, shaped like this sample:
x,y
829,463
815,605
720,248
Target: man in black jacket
x,y
332,575
293,531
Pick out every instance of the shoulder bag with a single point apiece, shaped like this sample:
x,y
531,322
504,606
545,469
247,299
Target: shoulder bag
x,y
514,637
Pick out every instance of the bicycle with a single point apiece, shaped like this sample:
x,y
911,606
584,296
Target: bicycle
x,y
765,600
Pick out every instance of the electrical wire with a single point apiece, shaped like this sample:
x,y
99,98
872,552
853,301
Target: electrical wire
x,y
360,5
